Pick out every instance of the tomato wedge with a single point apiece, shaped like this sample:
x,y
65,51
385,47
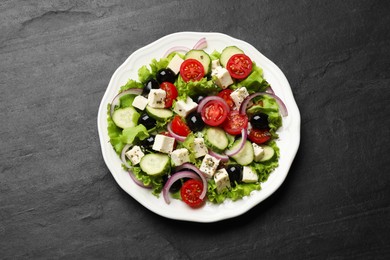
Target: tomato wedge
x,y
235,122
225,94
239,66
171,91
259,136
214,113
191,69
190,192
179,126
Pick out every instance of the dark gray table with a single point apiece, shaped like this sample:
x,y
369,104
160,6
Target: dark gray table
x,y
58,199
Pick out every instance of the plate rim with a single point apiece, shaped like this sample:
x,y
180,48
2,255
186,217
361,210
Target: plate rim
x,y
224,214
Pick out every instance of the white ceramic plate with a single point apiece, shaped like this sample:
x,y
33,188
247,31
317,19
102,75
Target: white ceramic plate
x,y
289,134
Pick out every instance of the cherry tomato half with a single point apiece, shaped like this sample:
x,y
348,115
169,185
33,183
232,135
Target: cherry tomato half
x,y
225,94
214,113
235,122
171,91
179,126
239,66
259,136
190,192
191,69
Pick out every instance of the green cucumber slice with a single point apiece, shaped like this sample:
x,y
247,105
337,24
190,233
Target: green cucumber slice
x,y
155,164
202,57
227,53
125,117
245,156
216,139
159,114
269,153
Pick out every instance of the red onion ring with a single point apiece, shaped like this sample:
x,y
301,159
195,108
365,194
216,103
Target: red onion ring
x,y
138,182
201,44
173,179
173,134
123,155
115,100
244,136
176,48
222,157
204,101
192,167
282,106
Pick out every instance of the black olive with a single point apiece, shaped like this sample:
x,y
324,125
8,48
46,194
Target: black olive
x,y
235,173
166,75
147,121
150,84
148,142
260,121
194,121
198,98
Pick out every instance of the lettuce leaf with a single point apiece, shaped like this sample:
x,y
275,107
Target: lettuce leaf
x,y
131,84
235,193
155,181
254,82
130,134
215,55
269,106
145,74
194,88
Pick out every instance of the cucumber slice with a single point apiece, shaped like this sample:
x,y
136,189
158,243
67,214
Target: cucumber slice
x,y
227,53
155,164
215,138
159,114
245,156
125,117
269,153
202,57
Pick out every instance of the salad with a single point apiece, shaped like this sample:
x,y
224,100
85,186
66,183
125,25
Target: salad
x,y
197,126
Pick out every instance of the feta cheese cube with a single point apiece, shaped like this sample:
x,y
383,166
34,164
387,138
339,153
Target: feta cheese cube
x,y
209,165
140,102
248,176
180,156
222,77
215,64
239,95
156,98
222,180
184,108
135,154
163,143
200,147
258,152
175,64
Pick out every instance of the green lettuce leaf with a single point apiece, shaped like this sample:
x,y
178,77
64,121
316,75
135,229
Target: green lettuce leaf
x,y
268,105
235,193
131,84
114,133
155,181
254,82
130,134
194,88
215,55
145,74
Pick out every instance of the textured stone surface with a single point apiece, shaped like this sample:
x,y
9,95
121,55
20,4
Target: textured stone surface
x,y
58,199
